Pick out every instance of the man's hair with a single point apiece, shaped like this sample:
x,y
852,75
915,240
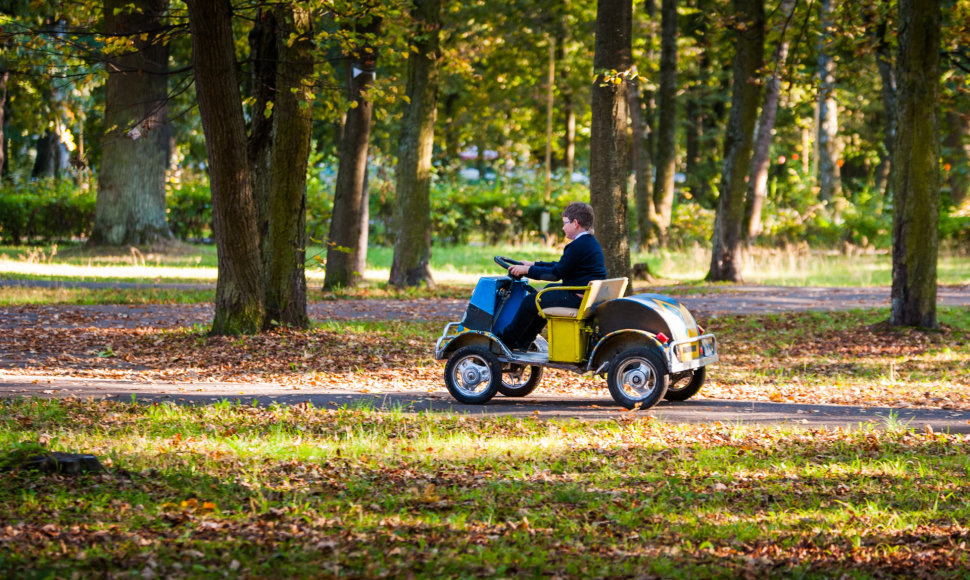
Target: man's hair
x,y
581,212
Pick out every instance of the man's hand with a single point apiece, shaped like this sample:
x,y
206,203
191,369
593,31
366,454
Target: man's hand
x,y
519,270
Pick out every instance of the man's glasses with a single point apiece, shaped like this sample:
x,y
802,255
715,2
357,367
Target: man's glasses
x,y
567,221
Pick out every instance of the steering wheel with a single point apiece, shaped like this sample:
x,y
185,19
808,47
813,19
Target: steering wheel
x,y
505,263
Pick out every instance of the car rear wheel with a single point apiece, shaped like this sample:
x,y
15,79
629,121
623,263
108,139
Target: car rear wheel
x,y
686,385
520,380
473,375
637,378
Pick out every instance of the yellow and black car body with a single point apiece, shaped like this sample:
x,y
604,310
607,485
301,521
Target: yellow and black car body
x,y
648,345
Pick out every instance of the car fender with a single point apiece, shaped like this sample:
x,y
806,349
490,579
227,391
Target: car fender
x,y
450,342
619,341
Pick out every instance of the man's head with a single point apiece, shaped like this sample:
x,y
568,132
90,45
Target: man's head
x,y
579,212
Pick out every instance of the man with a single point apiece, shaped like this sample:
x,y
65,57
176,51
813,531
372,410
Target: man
x,y
581,262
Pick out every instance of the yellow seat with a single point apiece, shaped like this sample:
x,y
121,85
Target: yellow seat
x,y
568,333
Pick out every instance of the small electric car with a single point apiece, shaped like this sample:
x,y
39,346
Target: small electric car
x,y
648,345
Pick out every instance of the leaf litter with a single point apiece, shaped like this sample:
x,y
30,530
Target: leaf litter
x,y
836,358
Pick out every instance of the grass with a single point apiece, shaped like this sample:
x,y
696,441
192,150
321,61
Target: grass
x,y
298,491
243,491
850,357
16,296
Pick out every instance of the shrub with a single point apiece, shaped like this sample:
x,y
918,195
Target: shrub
x,y
188,208
45,210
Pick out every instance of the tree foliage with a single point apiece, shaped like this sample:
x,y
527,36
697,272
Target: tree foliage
x,y
493,58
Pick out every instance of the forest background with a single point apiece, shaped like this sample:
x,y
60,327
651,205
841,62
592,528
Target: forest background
x,y
106,139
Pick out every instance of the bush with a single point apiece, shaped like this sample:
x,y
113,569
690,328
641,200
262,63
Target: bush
x,y
955,232
691,224
45,210
188,208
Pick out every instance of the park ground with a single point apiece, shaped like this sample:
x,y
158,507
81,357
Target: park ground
x,y
826,444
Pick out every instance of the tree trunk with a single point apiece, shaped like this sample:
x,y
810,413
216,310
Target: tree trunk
x,y
364,228
641,119
285,240
887,75
642,163
130,208
704,111
51,156
758,184
916,192
568,109
452,135
343,249
412,205
663,188
609,140
550,110
4,78
957,155
745,96
570,149
829,178
239,289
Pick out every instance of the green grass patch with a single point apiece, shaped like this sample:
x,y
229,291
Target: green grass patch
x,y
299,491
455,269
17,296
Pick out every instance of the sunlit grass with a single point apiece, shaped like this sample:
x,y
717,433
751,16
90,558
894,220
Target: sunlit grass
x,y
461,266
192,489
17,295
799,266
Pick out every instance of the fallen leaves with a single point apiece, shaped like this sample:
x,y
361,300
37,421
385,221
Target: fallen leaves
x,y
836,358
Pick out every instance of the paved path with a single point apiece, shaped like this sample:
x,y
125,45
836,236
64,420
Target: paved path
x,y
715,301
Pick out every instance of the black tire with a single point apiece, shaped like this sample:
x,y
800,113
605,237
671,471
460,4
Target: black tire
x,y
473,375
638,378
687,385
520,380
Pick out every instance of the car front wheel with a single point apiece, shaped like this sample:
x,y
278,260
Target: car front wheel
x,y
473,375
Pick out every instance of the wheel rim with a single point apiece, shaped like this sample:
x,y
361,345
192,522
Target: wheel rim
x,y
637,378
472,375
517,376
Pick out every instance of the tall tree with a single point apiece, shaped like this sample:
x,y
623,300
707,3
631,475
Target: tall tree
x,y
641,121
663,187
4,78
258,182
609,141
239,291
745,97
344,246
135,155
282,202
829,178
916,192
878,29
758,183
412,205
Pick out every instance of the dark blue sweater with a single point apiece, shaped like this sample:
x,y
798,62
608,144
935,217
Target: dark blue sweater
x,y
581,261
